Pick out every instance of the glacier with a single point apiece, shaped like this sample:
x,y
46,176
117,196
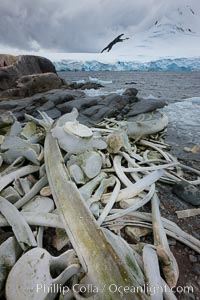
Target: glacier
x,y
170,43
165,64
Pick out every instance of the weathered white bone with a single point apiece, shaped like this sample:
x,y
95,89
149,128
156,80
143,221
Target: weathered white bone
x,y
137,187
188,213
166,258
152,272
19,226
39,204
16,146
8,178
32,273
34,190
10,251
87,189
118,169
77,129
76,174
93,249
91,163
110,202
37,219
73,143
25,184
14,166
10,194
135,206
93,201
29,130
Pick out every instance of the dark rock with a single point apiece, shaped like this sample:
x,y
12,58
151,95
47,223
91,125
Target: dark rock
x,y
130,92
144,106
59,96
20,115
53,113
19,66
113,99
187,296
196,269
31,84
86,85
80,104
29,104
38,83
65,107
187,192
46,106
93,108
192,258
91,111
116,102
132,82
101,113
6,119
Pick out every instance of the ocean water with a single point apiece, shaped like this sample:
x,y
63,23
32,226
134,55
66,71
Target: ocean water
x,y
170,86
181,90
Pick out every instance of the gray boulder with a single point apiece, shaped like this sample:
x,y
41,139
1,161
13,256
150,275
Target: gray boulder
x,y
130,92
6,119
187,192
14,67
86,85
144,106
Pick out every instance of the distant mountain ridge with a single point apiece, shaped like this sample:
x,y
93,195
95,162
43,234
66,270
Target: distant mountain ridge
x,y
172,42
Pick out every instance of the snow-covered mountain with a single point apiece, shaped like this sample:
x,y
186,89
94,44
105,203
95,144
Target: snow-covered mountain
x,y
176,34
172,42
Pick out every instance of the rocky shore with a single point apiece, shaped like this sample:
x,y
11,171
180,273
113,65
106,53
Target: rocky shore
x,y
29,84
47,92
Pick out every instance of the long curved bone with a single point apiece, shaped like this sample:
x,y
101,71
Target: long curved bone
x,y
20,227
99,259
8,178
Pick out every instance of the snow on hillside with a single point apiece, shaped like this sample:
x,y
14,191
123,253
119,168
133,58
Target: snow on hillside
x,y
171,43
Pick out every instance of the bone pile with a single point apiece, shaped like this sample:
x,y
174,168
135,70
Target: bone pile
x,y
91,185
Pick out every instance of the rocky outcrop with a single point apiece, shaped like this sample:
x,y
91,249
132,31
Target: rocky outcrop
x,y
6,60
91,109
145,105
31,84
12,68
85,85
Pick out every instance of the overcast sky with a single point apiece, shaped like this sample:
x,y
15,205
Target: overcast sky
x,y
74,25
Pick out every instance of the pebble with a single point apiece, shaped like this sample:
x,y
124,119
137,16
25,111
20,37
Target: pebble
x,y
45,191
172,242
192,258
187,296
196,269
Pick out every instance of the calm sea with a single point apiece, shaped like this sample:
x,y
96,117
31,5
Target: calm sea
x,y
170,86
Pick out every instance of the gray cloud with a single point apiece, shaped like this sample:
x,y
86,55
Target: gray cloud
x,y
74,25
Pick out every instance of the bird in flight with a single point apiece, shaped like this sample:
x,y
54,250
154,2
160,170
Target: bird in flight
x,y
118,39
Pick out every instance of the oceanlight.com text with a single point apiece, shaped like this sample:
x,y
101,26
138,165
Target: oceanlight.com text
x,y
112,289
